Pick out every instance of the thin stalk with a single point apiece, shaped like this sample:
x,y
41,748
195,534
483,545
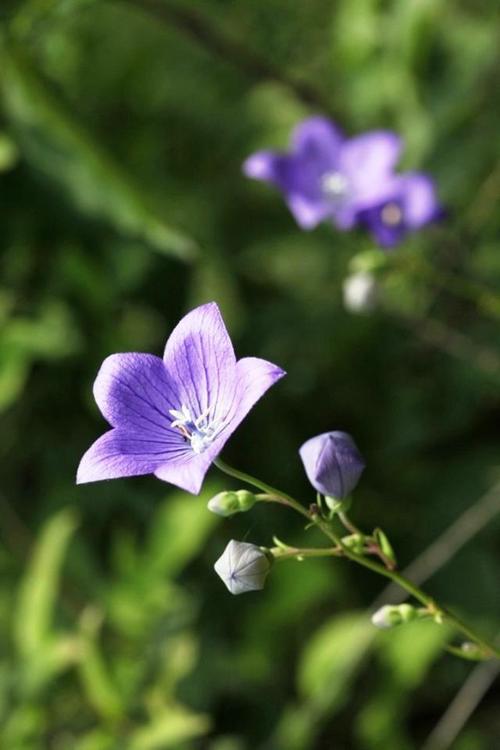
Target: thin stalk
x,y
434,609
439,612
287,553
373,547
349,524
271,492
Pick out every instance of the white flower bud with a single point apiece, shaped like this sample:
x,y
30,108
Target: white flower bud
x,y
243,567
390,615
360,292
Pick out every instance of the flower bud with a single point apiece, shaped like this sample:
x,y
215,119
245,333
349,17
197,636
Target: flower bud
x,y
385,546
354,542
472,651
390,615
360,292
228,503
243,567
333,464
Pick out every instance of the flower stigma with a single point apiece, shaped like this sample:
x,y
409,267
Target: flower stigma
x,y
197,430
392,215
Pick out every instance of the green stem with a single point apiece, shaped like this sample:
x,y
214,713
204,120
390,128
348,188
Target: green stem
x,y
349,524
483,297
274,495
287,553
374,548
438,611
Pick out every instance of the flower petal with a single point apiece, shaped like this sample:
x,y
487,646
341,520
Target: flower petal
x,y
316,145
306,212
299,181
368,161
386,235
419,199
199,357
119,453
187,471
333,463
254,377
261,166
133,391
318,139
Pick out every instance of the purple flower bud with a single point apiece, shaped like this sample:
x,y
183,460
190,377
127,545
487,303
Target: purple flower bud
x,y
243,567
333,464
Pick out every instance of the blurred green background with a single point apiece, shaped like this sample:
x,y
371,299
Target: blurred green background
x,y
123,126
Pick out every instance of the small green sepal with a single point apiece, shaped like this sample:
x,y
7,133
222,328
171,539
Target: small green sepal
x,y
337,505
385,545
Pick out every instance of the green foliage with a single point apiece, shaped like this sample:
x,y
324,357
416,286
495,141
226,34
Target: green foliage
x,y
55,143
123,126
332,656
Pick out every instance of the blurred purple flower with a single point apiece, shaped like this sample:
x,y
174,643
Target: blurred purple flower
x,y
412,204
333,463
329,176
171,417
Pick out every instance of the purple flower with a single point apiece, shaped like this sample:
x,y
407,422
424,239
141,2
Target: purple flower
x,y
171,417
329,176
333,463
412,204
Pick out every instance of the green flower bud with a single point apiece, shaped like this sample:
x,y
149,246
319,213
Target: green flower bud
x,y
354,542
472,651
228,503
390,615
385,545
246,499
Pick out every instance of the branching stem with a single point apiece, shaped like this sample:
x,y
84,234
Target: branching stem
x,y
313,515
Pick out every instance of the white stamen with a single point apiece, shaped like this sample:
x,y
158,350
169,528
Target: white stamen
x,y
334,185
197,430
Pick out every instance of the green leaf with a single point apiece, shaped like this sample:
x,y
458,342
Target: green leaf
x,y
176,724
56,143
407,653
180,529
179,657
14,369
385,545
97,683
8,153
332,657
51,334
98,739
410,650
39,589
